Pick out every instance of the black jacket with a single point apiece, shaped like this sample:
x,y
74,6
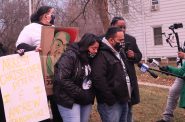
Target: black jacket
x,y
68,79
3,50
132,45
108,77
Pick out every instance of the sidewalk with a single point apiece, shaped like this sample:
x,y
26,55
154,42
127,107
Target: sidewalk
x,y
153,85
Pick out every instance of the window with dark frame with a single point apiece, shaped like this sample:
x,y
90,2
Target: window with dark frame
x,y
154,2
157,36
154,5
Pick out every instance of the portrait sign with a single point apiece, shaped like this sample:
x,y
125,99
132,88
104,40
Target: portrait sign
x,y
54,41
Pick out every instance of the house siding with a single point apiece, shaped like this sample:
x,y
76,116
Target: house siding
x,y
141,27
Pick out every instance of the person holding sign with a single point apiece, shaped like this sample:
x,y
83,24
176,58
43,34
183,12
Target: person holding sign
x,y
72,80
30,39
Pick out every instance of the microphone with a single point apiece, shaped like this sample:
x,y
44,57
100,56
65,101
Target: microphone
x,y
145,68
153,62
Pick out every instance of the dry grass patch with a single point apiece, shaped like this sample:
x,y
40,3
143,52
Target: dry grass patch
x,y
153,101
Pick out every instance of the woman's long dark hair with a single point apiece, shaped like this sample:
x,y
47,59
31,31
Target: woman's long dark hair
x,y
35,17
87,40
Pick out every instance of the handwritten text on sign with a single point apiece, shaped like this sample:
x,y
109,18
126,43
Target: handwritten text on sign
x,y
22,88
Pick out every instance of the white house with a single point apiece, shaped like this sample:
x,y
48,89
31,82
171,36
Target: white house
x,y
155,17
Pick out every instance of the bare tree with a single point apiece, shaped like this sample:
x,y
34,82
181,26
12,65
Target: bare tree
x,y
89,15
12,20
102,10
13,17
84,16
35,5
106,9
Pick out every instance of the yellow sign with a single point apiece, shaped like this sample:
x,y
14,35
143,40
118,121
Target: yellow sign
x,y
22,87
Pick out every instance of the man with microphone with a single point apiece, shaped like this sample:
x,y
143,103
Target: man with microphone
x,y
134,56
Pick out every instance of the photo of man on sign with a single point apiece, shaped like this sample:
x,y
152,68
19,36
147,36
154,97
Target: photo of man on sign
x,y
54,41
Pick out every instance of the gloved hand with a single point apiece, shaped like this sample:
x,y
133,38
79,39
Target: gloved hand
x,y
20,52
181,55
164,68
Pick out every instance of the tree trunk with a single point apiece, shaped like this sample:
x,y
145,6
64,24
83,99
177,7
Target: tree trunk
x,y
35,5
101,8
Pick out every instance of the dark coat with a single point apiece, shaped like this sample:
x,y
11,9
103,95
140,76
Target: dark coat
x,y
108,77
2,114
68,79
132,45
3,50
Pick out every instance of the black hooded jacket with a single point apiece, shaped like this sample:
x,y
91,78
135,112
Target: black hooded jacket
x,y
108,77
132,45
68,78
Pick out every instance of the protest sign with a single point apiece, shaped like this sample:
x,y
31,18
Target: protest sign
x,y
22,87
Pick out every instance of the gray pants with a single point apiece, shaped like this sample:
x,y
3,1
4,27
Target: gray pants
x,y
172,100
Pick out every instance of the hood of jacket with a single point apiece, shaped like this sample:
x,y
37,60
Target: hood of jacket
x,y
74,47
105,45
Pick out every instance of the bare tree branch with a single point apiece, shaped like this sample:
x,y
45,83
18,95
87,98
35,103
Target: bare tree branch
x,y
102,11
82,12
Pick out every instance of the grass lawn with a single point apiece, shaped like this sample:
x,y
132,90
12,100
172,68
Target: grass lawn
x,y
153,101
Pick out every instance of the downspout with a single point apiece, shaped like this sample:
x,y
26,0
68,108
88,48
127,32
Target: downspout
x,y
144,31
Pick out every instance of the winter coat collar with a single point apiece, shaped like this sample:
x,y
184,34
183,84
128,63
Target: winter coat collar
x,y
105,41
